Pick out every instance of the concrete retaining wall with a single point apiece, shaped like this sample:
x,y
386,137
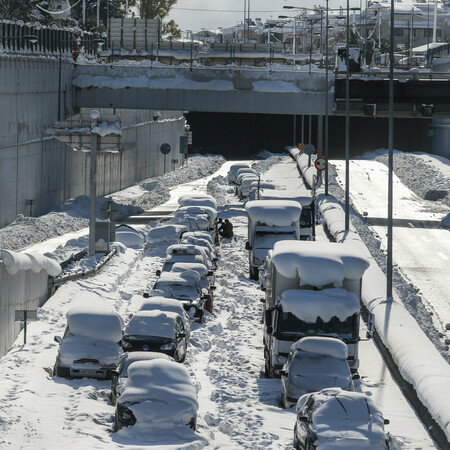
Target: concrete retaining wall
x,y
34,166
24,290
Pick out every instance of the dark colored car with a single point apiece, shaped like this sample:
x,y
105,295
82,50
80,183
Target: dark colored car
x,y
156,331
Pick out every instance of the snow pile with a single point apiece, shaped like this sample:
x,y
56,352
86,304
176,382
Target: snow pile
x,y
165,233
416,171
319,263
265,164
310,305
152,323
277,213
99,323
218,188
15,262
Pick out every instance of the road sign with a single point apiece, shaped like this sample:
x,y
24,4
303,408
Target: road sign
x,y
165,149
23,315
320,163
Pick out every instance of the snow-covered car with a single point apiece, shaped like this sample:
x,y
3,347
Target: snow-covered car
x,y
244,187
120,374
233,171
206,280
156,331
157,394
129,236
159,303
90,345
197,200
187,253
207,211
255,189
198,235
165,234
202,242
242,176
193,222
334,418
315,363
183,286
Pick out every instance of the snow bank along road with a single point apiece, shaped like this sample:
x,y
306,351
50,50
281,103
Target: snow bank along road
x,y
239,408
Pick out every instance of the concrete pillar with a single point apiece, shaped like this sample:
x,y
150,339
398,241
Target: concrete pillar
x,y
439,133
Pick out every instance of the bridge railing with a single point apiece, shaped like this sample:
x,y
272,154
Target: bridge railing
x,y
35,39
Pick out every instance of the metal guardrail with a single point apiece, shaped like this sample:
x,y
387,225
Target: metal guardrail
x,y
55,282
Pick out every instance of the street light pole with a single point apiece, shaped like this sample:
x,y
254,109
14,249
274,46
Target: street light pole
x,y
326,100
347,125
93,183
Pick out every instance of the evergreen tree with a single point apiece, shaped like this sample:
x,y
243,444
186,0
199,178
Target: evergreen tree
x,y
16,10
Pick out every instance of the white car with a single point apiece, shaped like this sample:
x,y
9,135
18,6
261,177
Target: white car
x,y
90,345
187,253
159,303
157,394
334,418
233,171
197,200
315,363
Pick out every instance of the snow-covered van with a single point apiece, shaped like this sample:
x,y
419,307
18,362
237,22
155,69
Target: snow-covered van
x,y
233,171
307,218
311,289
269,221
90,345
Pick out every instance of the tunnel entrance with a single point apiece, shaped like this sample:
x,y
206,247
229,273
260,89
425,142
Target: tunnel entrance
x,y
242,136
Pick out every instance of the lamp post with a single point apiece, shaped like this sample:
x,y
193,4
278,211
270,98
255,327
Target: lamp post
x,y
326,99
347,121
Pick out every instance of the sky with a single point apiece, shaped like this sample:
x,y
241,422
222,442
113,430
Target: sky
x,y
211,14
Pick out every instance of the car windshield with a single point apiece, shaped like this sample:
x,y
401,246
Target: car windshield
x,y
289,324
181,291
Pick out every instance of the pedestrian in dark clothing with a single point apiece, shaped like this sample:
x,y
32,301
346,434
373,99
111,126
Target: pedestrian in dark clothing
x,y
226,229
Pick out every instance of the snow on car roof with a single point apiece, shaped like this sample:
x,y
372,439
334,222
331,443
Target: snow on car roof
x,y
235,167
273,212
184,266
349,417
160,392
197,200
184,249
322,345
130,238
308,305
95,322
152,323
187,276
166,233
211,212
245,170
319,263
160,303
198,234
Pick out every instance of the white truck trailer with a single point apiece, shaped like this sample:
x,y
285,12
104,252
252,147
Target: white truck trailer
x,y
269,221
311,289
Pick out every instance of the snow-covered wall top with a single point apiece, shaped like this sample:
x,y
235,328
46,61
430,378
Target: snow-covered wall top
x,y
309,305
319,263
279,213
276,194
14,262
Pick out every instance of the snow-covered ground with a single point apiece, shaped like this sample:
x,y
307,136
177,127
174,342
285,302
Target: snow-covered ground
x,y
239,408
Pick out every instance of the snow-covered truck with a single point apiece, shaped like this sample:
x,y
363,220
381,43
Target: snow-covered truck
x,y
311,289
269,221
307,218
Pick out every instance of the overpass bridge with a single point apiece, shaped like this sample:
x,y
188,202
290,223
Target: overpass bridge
x,y
265,90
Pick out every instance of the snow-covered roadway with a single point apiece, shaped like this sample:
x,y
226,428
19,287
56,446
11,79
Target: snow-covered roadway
x,y
421,248
239,408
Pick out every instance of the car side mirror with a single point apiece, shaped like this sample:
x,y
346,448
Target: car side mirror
x,y
356,376
283,373
212,287
158,273
58,339
115,373
248,246
146,295
206,297
303,419
386,421
181,335
262,300
210,273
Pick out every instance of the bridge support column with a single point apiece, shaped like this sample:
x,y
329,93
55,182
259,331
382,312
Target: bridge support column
x,y
439,133
320,135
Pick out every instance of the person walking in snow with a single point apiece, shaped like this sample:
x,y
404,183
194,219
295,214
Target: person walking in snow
x,y
226,229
